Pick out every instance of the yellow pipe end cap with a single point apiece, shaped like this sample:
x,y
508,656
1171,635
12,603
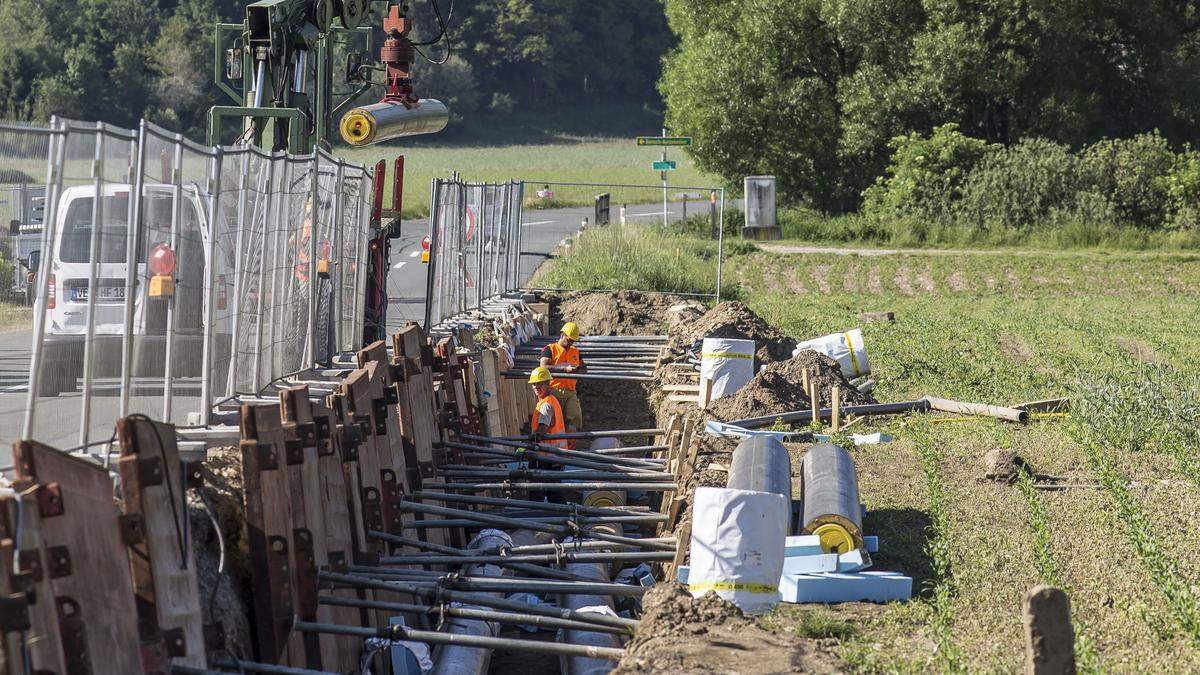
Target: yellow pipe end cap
x,y
834,538
357,128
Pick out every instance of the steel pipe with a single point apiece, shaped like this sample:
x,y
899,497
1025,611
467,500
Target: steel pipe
x,y
519,442
616,377
612,433
543,506
503,584
998,412
557,487
522,474
434,637
805,416
532,570
540,558
544,453
591,520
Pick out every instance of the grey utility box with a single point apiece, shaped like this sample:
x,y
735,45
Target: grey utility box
x,y
759,208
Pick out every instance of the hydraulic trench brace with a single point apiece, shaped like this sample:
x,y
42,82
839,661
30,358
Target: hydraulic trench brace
x,y
522,454
526,443
439,611
505,585
443,595
451,552
555,487
414,507
435,637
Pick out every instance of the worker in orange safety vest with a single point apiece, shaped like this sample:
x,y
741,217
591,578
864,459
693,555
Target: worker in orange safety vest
x,y
562,356
547,416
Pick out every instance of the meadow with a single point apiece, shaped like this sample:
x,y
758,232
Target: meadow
x,y
1113,332
568,161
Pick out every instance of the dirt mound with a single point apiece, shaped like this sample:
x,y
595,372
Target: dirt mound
x,y
680,634
732,319
619,313
779,388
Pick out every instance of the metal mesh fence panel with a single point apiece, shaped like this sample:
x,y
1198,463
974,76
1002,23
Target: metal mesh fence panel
x,y
174,275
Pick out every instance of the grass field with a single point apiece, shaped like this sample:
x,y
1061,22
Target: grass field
x,y
1117,333
585,161
15,317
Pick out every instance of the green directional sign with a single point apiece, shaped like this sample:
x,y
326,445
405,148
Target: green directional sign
x,y
664,166
664,140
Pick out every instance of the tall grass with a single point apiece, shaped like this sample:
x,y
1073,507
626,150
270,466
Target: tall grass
x,y
632,257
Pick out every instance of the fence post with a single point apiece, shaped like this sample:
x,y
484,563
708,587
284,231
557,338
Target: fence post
x,y
362,220
214,217
520,233
720,242
133,238
94,249
55,158
262,271
310,357
176,215
431,271
239,254
337,280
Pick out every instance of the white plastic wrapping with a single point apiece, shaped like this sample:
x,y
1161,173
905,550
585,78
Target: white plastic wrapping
x,y
737,546
728,364
847,348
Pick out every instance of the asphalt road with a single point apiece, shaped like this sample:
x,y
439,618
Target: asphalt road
x,y
57,419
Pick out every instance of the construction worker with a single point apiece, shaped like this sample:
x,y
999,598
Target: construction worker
x,y
547,414
563,357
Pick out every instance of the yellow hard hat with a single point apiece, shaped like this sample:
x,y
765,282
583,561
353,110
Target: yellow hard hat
x,y
540,374
571,330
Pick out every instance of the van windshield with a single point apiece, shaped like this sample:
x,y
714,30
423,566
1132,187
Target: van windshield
x,y
157,210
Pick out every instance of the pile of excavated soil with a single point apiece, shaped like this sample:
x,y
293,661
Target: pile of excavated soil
x,y
619,313
734,320
779,388
680,634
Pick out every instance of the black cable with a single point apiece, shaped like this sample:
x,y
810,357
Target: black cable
x,y
162,452
443,23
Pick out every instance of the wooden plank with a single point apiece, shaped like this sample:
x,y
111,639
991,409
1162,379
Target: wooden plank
x,y
269,533
409,343
343,434
358,398
692,388
44,643
680,398
164,576
85,559
493,405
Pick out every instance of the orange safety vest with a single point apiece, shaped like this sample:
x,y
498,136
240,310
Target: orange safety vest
x,y
556,424
563,356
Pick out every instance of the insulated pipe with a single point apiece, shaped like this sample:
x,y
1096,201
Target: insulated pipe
x,y
761,464
805,416
455,659
998,412
831,506
581,602
378,122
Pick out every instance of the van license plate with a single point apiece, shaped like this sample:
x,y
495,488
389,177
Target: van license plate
x,y
107,294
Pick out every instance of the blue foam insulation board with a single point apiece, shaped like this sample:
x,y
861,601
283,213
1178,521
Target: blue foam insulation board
x,y
834,587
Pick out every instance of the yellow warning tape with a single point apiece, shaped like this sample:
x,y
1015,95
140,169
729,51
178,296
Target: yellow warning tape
x,y
725,355
853,356
732,586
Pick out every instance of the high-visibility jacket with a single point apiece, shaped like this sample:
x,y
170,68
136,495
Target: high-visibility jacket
x,y
563,356
557,426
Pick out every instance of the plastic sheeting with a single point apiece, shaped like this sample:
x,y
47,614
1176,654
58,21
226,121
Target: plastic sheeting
x,y
737,546
728,364
847,348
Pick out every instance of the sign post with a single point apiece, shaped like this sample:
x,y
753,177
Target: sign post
x,y
663,166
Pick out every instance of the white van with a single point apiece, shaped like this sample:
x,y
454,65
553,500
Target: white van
x,y
70,262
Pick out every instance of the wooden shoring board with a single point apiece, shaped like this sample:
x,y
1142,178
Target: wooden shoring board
x,y
508,396
489,383
359,398
269,534
154,514
344,436
302,455
400,453
338,546
42,639
16,610
410,344
86,560
685,462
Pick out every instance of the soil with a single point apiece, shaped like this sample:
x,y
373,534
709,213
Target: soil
x,y
779,388
732,319
682,634
223,592
619,313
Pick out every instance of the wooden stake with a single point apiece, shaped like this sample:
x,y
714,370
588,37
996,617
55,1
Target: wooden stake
x,y
837,408
812,399
804,379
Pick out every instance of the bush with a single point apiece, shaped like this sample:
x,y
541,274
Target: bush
x,y
925,176
1131,173
1021,185
1182,186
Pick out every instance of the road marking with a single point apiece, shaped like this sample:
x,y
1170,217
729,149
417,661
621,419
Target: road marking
x,y
414,254
648,215
539,222
399,265
13,390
